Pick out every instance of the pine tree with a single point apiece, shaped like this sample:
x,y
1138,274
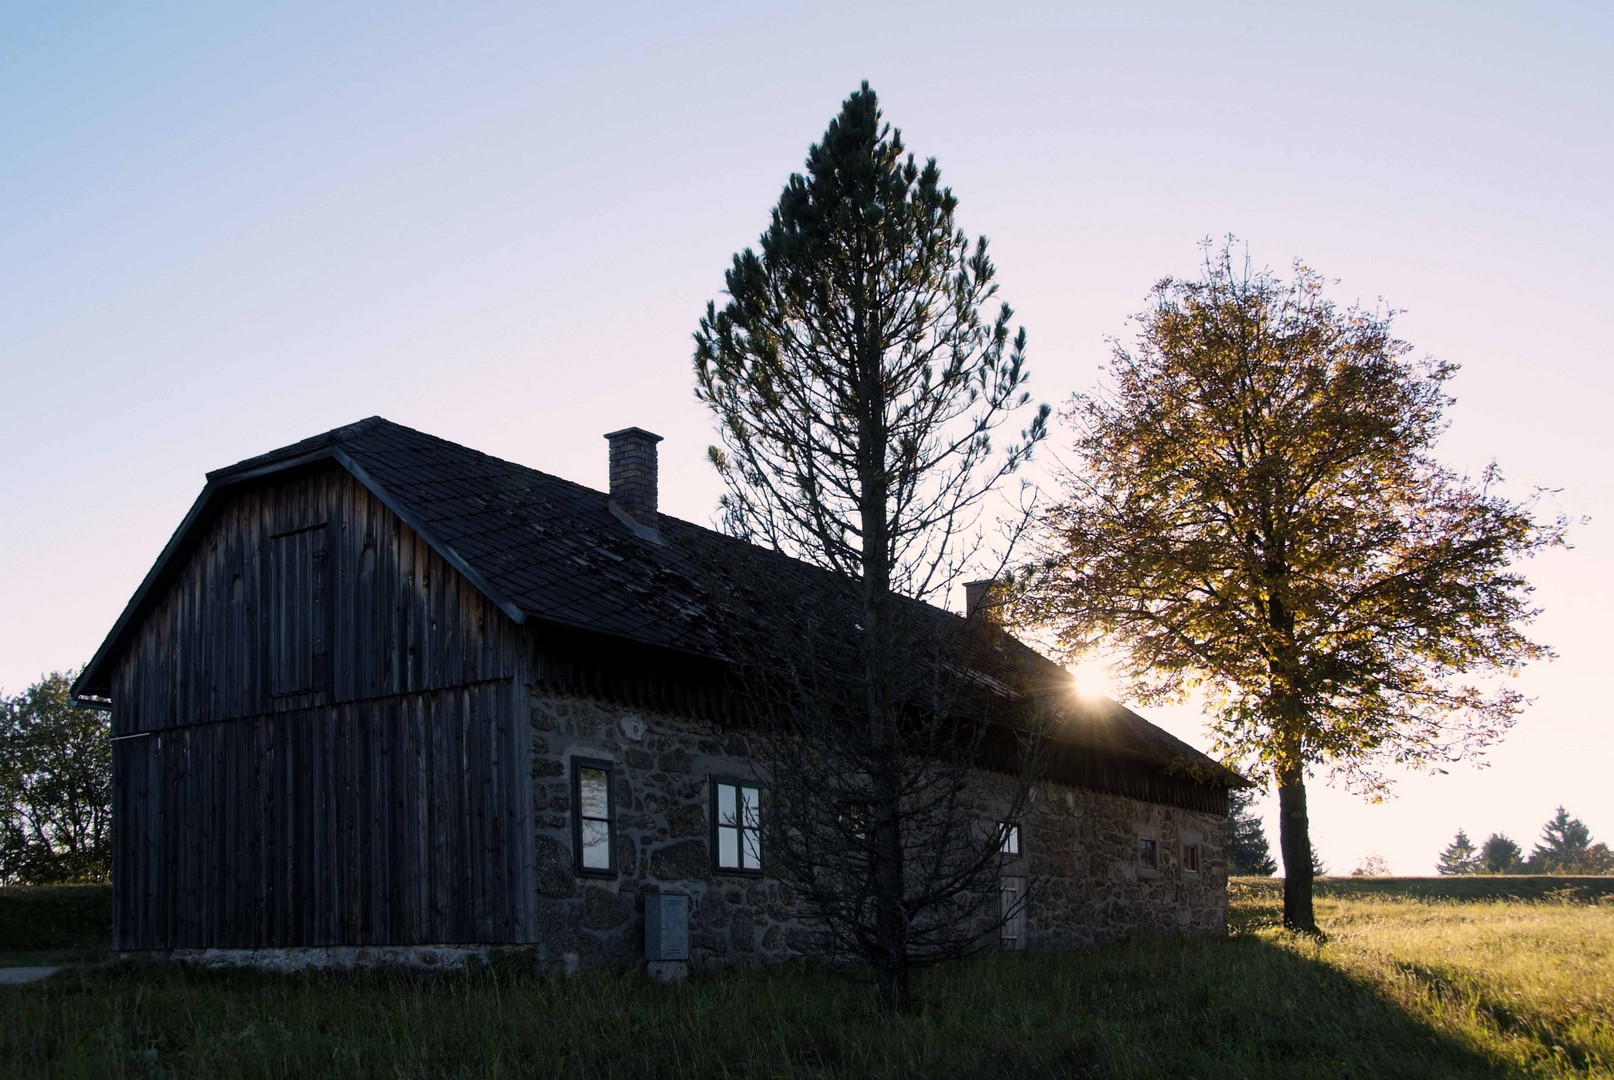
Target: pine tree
x,y
857,373
1459,857
1566,848
1247,849
1500,855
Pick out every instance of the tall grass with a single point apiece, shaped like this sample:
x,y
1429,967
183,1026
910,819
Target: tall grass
x,y
1400,987
1527,982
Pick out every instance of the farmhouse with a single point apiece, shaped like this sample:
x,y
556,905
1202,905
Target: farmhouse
x,y
381,691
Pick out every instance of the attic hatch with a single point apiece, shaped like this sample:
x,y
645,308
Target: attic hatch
x,y
298,627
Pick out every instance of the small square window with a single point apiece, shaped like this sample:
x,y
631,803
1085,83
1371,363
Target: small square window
x,y
737,825
1009,838
1190,858
1148,853
593,818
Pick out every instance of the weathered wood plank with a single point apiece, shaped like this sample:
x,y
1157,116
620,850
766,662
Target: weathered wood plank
x,y
381,797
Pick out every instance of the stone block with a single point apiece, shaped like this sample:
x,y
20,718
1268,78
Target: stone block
x,y
742,930
675,761
686,820
605,909
553,866
685,860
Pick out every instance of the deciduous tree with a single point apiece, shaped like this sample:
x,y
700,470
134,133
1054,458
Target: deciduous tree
x,y
1373,865
55,787
1256,511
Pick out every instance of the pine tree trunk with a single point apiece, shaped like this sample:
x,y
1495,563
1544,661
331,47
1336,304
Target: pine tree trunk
x,y
891,923
895,995
890,888
1294,838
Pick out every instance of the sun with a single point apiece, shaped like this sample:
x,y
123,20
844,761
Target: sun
x,y
1093,678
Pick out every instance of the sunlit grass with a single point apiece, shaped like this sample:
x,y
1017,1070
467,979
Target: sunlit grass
x,y
1399,987
1529,982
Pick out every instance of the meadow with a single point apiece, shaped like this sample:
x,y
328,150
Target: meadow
x,y
1473,977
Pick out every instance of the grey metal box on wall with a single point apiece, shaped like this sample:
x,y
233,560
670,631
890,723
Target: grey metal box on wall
x,y
666,926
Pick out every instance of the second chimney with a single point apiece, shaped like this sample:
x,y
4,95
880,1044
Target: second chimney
x,y
633,473
978,597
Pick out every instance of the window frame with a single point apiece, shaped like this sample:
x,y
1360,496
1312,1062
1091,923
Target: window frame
x,y
609,768
1154,847
1193,846
1009,839
737,783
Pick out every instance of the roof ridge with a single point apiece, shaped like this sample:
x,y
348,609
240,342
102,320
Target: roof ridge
x,y
311,444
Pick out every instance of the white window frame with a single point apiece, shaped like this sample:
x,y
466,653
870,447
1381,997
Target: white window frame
x,y
580,846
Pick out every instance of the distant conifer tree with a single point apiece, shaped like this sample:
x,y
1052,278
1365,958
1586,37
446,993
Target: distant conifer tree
x,y
1459,857
1247,850
1500,855
1566,848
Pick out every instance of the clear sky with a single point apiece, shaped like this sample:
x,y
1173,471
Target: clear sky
x,y
225,227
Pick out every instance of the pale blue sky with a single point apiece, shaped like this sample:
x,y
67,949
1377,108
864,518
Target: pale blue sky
x,y
223,230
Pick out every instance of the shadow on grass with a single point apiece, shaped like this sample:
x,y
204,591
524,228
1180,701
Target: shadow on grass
x,y
1241,1007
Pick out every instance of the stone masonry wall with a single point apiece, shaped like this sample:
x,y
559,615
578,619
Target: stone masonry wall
x,y
1086,885
1079,851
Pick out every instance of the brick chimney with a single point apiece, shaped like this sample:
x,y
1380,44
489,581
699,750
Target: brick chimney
x,y
633,474
976,597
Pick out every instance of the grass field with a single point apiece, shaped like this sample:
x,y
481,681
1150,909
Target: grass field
x,y
1417,978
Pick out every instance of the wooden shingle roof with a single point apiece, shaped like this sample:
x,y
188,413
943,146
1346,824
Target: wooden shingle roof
x,y
550,551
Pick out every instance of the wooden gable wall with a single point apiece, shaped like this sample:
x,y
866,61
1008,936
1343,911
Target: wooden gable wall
x,y
396,617
321,738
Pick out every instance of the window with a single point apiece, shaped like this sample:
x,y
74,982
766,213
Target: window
x,y
1148,854
1190,858
297,601
593,817
1009,837
737,825
1012,896
853,819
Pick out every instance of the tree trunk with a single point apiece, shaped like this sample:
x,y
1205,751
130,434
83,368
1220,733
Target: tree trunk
x,y
890,888
895,996
1294,838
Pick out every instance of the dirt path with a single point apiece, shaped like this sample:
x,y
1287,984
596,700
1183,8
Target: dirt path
x,y
16,976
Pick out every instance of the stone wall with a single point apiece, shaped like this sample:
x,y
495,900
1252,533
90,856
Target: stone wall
x,y
1079,851
1086,885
